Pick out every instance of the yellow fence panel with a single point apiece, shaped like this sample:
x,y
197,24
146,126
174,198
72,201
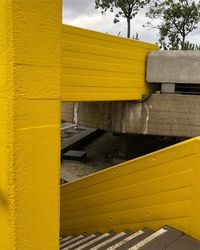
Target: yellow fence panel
x,y
162,188
101,67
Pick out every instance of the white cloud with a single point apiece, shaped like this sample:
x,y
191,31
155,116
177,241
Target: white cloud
x,y
82,13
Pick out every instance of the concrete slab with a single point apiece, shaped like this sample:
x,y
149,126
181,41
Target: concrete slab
x,y
74,155
161,115
167,88
173,67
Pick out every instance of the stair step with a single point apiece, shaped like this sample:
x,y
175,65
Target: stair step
x,y
162,239
81,242
87,241
130,243
72,240
64,239
146,240
96,241
125,240
185,243
165,238
104,244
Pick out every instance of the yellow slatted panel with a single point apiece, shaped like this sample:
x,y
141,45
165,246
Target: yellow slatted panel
x,y
153,190
101,67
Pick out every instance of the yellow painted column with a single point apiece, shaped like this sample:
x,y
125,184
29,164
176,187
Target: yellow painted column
x,y
30,34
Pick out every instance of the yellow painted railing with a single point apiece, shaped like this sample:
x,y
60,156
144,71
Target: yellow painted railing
x,y
101,67
158,189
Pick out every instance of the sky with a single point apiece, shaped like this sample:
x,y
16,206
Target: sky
x,y
82,13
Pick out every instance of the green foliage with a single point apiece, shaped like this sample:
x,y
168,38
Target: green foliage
x,y
178,20
190,46
124,9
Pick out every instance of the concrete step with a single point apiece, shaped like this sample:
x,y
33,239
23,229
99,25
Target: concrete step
x,y
136,240
80,242
70,241
165,238
110,243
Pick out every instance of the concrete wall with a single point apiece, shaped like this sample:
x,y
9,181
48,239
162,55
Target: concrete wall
x,y
67,111
164,115
173,67
161,114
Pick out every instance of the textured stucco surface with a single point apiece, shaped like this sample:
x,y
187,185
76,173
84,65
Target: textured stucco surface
x,y
29,123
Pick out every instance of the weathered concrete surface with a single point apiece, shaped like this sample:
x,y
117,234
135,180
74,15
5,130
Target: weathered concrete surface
x,y
161,114
67,111
173,67
168,88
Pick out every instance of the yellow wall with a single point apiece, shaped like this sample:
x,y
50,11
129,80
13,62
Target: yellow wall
x,y
162,188
30,81
29,124
101,67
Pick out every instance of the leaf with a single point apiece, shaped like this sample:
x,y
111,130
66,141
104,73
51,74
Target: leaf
x,y
179,19
125,8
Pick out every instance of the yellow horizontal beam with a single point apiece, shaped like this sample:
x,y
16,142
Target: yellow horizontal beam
x,y
150,191
101,67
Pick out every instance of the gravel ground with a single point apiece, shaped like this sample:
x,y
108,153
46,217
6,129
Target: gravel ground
x,y
101,154
104,152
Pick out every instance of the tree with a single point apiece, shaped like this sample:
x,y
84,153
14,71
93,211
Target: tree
x,y
190,46
177,20
125,8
